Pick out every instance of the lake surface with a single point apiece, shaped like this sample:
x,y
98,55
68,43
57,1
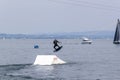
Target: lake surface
x,y
97,61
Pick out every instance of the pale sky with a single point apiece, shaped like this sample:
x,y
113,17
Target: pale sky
x,y
55,16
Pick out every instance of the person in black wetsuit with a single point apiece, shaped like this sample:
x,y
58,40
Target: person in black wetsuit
x,y
56,46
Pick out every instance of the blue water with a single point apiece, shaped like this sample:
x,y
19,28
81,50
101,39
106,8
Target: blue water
x,y
97,61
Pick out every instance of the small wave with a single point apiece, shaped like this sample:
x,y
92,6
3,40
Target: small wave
x,y
12,76
14,65
20,76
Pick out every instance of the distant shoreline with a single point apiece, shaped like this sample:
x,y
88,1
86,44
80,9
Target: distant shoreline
x,y
71,35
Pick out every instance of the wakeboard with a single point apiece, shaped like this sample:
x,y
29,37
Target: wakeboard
x,y
58,49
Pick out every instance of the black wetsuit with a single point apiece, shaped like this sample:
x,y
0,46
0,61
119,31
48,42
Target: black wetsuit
x,y
55,42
